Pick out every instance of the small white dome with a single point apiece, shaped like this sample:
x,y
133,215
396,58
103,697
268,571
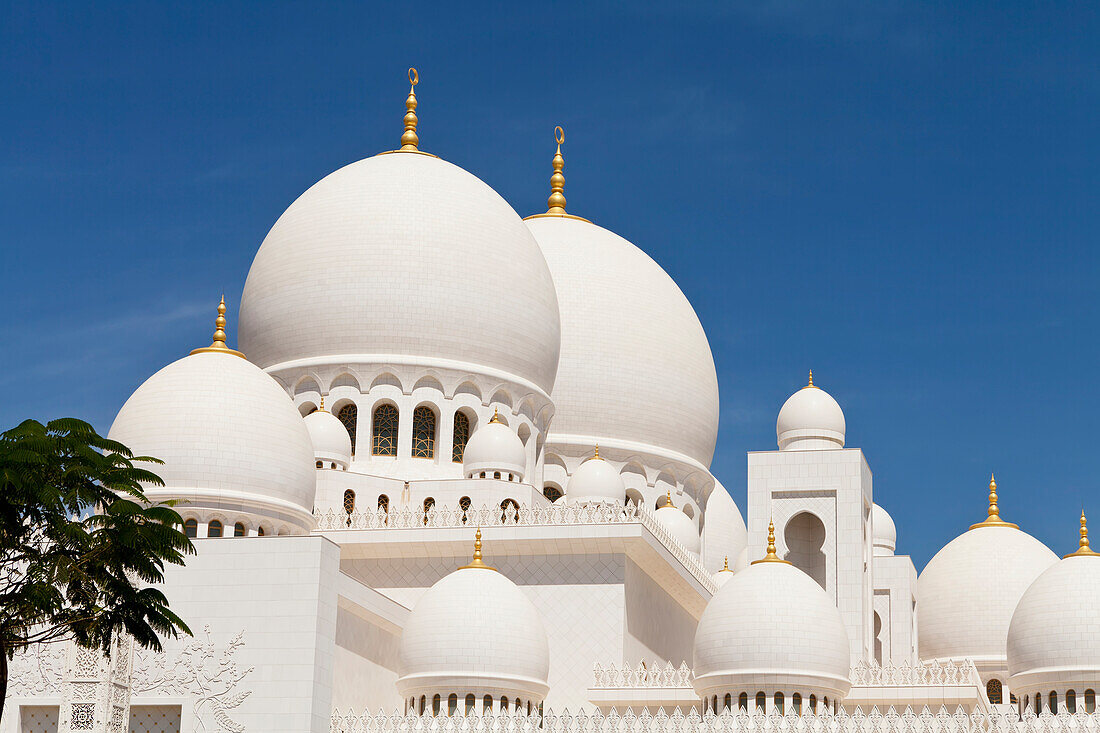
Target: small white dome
x,y
494,447
810,419
331,442
680,526
884,535
474,632
614,384
1054,638
403,258
723,575
724,533
595,481
771,627
969,590
229,437
742,561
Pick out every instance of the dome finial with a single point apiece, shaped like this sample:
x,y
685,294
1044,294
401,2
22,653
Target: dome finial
x,y
322,407
1083,549
668,499
811,379
556,203
477,562
495,418
993,518
726,563
409,139
218,344
597,453
770,556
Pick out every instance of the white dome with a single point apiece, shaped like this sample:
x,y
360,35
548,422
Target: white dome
x,y
636,372
680,526
228,435
771,627
1054,637
474,632
595,481
810,419
884,535
724,532
723,575
403,258
968,591
494,447
331,442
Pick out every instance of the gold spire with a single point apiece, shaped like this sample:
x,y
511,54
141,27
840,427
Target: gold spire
x,y
994,518
555,205
409,139
668,500
1083,549
597,453
811,384
771,556
495,417
322,407
218,345
726,565
477,562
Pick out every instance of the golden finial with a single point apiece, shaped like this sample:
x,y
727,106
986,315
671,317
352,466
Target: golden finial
x,y
218,345
556,203
993,518
597,453
668,499
811,384
495,417
726,564
322,407
770,556
409,139
477,562
1083,549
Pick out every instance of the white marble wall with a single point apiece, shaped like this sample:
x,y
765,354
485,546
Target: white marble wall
x,y
895,602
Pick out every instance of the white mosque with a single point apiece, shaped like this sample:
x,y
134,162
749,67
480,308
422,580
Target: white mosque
x,y
433,492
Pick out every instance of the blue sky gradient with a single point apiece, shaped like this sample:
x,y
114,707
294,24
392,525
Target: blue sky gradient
x,y
901,196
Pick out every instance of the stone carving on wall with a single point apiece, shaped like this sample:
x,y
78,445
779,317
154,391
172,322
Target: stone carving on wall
x,y
37,671
201,672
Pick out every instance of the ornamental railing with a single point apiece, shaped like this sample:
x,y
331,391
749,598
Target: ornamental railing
x,y
924,720
517,515
645,675
934,674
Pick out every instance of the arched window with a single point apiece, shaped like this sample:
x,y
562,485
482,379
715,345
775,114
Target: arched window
x,y
1053,702
1038,702
452,704
813,703
238,530
804,536
509,511
796,703
518,706
349,501
214,529
349,415
429,504
464,505
191,527
470,702
260,532
435,705
384,430
423,432
825,703
778,701
503,703
496,474
1071,702
423,699
761,701
487,704
553,493
320,464
993,692
461,437
743,701
727,702
1090,701
384,503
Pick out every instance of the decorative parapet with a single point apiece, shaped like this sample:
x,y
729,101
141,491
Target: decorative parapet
x,y
641,677
523,516
924,674
923,720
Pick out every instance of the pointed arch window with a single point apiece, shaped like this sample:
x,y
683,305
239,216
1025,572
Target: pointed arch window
x,y
349,415
551,492
993,692
423,432
384,430
461,437
509,511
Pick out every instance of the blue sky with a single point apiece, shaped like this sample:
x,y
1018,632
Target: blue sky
x,y
899,196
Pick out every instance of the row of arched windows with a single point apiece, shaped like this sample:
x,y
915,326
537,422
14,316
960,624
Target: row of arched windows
x,y
469,705
384,427
214,528
761,700
509,508
1070,700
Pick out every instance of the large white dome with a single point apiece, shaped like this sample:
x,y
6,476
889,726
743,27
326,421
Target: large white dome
x,y
474,632
810,419
1054,637
969,590
403,258
229,437
636,372
771,627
